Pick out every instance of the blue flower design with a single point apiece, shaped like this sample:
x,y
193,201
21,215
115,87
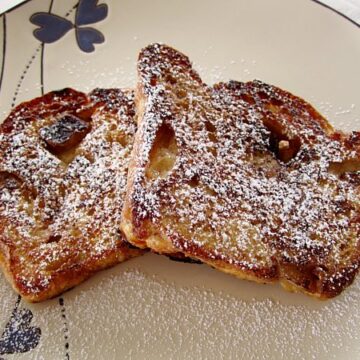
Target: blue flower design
x,y
19,336
53,27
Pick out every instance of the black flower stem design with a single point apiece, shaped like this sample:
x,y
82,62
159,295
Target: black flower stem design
x,y
17,303
4,50
42,57
66,328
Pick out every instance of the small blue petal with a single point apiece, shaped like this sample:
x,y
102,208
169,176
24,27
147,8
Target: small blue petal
x,y
89,12
52,27
19,336
87,37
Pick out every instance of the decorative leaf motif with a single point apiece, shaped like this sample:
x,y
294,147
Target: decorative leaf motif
x,y
52,27
89,12
87,37
19,336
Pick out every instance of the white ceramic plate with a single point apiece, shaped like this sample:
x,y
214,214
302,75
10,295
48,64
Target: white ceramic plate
x,y
151,307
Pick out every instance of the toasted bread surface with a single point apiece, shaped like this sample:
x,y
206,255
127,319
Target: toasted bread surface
x,y
63,166
243,176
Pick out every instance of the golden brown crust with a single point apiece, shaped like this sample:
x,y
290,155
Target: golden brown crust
x,y
245,177
63,167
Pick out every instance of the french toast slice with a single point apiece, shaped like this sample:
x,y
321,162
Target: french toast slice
x,y
242,176
63,167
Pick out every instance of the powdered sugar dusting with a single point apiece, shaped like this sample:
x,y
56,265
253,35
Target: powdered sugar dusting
x,y
135,314
180,322
58,210
252,184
